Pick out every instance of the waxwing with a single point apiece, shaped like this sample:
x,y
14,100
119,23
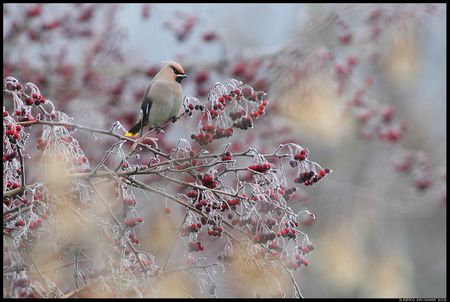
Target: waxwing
x,y
162,99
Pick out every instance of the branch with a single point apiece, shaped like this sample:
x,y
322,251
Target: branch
x,y
143,186
94,130
187,268
296,287
15,192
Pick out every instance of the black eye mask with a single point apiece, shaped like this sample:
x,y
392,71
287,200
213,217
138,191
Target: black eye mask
x,y
175,70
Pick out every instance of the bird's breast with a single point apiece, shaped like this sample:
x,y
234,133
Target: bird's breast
x,y
166,98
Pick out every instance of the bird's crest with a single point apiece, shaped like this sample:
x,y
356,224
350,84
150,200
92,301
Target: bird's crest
x,y
175,66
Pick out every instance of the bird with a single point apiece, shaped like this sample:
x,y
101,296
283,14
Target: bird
x,y
162,99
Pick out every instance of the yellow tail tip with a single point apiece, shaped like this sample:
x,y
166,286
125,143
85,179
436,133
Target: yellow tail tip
x,y
129,134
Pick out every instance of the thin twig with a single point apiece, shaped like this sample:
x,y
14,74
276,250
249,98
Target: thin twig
x,y
296,287
175,240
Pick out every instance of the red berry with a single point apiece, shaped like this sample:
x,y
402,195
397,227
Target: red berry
x,y
209,36
202,76
35,11
20,222
50,25
167,211
346,38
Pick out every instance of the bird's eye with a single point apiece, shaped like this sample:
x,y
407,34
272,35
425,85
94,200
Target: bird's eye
x,y
175,70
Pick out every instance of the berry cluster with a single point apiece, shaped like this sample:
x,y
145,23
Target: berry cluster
x,y
134,238
192,228
41,144
310,177
233,202
9,156
298,262
216,231
227,156
264,237
244,123
129,201
287,193
12,185
208,181
202,203
78,161
289,233
217,123
22,286
417,164
377,119
237,114
306,249
275,247
35,99
195,246
35,223
132,222
191,107
20,222
226,98
262,168
208,136
302,155
260,111
192,194
13,132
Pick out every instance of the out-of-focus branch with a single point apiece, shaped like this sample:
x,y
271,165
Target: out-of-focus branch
x,y
116,220
174,241
187,268
15,192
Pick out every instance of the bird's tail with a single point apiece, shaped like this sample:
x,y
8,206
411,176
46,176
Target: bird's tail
x,y
134,131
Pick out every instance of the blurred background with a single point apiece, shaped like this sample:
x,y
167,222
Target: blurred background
x,y
379,232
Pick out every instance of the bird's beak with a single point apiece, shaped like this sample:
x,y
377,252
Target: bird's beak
x,y
180,77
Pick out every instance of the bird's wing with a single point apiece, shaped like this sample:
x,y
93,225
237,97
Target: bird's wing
x,y
145,108
146,105
145,113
